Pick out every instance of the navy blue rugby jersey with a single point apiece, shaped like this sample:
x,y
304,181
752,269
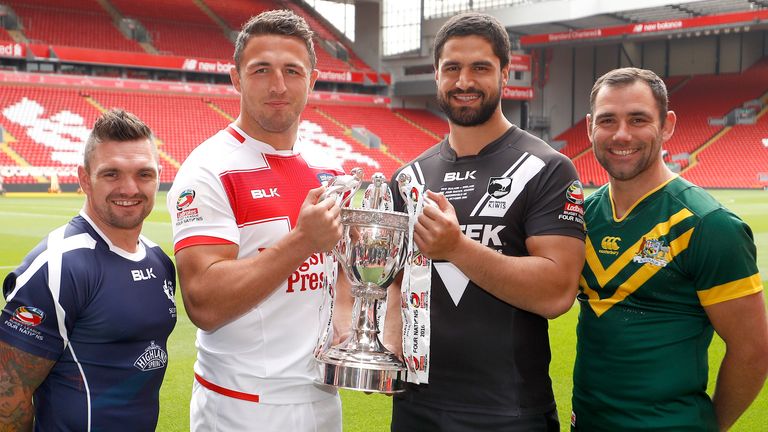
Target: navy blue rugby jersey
x,y
104,315
488,356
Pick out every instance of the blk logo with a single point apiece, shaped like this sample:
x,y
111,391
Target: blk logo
x,y
140,275
459,176
263,193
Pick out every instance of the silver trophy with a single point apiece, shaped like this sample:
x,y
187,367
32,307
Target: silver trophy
x,y
372,250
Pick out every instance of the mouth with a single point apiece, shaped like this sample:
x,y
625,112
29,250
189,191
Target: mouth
x,y
126,202
466,98
623,152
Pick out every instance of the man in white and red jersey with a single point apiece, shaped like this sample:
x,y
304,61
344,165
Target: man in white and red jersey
x,y
249,229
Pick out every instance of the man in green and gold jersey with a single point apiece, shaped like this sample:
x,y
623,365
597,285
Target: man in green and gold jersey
x,y
666,264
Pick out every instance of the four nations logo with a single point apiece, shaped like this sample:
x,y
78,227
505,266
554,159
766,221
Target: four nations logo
x,y
185,199
29,316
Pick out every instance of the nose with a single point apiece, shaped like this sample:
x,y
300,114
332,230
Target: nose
x,y
622,133
465,80
277,84
129,186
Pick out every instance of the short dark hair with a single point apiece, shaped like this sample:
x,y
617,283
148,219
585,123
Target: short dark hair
x,y
281,22
115,125
630,75
475,24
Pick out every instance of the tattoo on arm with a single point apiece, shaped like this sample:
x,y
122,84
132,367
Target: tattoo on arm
x,y
20,374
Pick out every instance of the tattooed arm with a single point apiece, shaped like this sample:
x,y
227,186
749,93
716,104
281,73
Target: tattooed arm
x,y
20,374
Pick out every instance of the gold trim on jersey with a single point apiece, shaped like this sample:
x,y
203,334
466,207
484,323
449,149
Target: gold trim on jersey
x,y
731,290
649,193
645,272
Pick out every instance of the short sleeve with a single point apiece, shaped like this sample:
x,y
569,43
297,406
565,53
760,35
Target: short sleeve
x,y
31,318
722,258
556,201
200,210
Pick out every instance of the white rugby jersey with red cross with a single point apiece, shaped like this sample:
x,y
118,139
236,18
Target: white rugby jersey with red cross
x,y
233,189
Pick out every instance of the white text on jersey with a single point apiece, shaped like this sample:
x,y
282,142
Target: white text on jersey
x,y
262,193
139,275
458,176
485,234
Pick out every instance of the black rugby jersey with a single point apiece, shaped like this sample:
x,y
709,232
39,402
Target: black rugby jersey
x,y
488,356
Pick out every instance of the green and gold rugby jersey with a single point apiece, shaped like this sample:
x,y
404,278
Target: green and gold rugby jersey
x,y
643,334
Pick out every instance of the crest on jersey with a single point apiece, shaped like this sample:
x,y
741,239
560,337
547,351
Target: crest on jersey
x,y
152,358
499,187
652,251
168,290
28,315
185,199
575,193
325,177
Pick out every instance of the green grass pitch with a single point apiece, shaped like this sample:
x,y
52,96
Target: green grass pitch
x,y
27,219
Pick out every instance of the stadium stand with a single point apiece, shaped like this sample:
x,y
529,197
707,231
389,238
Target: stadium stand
x,y
53,21
736,159
402,139
432,123
49,125
695,100
190,32
5,36
236,12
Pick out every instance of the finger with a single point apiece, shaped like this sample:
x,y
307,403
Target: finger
x,y
439,199
314,195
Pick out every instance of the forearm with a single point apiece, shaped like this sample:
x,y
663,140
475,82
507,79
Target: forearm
x,y
739,380
533,283
229,288
20,374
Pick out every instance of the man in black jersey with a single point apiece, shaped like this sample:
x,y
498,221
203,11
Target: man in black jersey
x,y
506,240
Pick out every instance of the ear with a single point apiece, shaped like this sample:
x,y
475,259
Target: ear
x,y
669,126
85,180
588,119
313,78
234,75
505,75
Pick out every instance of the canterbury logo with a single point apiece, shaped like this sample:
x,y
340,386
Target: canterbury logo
x,y
610,243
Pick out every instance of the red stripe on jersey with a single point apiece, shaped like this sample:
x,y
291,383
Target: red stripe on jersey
x,y
235,134
225,391
273,192
197,241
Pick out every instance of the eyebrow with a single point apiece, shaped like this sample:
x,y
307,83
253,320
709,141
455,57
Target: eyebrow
x,y
254,65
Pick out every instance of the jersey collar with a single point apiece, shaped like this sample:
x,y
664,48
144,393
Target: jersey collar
x,y
449,154
243,138
141,251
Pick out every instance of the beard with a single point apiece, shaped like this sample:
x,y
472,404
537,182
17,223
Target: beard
x,y
115,220
468,116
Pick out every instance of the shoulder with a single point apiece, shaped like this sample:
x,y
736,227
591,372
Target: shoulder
x,y
428,154
692,197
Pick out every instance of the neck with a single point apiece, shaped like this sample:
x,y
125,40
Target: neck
x,y
278,140
626,193
470,140
125,239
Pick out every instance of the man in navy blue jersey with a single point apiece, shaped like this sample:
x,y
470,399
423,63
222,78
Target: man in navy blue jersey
x,y
89,310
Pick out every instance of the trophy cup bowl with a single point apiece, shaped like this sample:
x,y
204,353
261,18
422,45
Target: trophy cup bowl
x,y
372,250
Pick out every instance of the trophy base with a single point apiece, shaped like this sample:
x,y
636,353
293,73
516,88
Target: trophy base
x,y
387,375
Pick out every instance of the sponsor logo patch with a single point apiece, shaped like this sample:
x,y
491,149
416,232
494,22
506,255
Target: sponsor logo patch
x,y
152,358
28,315
324,177
185,199
609,245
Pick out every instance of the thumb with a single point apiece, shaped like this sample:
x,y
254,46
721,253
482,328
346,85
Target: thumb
x,y
313,196
440,200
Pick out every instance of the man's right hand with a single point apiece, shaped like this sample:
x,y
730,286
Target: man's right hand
x,y
319,222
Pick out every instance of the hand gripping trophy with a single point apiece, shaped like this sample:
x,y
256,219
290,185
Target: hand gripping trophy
x,y
374,247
